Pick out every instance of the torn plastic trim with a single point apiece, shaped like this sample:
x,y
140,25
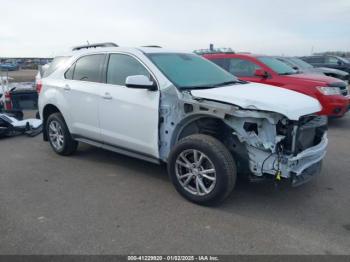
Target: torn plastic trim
x,y
309,156
262,162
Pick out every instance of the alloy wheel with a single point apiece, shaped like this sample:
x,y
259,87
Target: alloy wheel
x,y
56,135
195,172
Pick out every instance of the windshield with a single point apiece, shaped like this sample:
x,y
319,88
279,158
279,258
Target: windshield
x,y
300,63
190,71
278,66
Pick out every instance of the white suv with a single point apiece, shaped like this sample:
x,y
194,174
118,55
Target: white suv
x,y
181,109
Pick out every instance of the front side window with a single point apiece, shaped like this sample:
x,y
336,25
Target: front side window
x,y
277,66
190,71
222,62
88,68
332,60
121,66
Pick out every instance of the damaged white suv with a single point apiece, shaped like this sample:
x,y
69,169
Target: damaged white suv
x,y
183,110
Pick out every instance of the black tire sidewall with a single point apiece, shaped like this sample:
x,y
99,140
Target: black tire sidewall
x,y
58,118
222,185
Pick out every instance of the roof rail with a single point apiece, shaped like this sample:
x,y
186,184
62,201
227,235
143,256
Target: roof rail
x,y
108,44
214,51
155,46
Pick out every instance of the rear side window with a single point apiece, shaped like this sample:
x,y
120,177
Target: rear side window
x,y
222,62
87,68
242,68
56,63
314,59
69,73
121,66
238,67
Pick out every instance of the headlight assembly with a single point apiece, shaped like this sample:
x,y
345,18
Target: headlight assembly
x,y
329,90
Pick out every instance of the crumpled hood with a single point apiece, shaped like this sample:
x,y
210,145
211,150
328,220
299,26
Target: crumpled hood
x,y
263,97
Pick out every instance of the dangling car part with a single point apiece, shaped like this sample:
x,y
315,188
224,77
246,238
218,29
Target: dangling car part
x,y
11,126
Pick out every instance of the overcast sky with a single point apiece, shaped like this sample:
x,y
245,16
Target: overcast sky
x,y
288,27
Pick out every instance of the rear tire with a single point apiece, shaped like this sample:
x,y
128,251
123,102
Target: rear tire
x,y
59,136
202,169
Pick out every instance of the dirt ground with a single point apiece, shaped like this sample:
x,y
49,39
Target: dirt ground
x,y
27,75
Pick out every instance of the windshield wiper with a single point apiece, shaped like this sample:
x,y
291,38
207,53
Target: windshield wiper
x,y
287,73
227,83
196,87
212,86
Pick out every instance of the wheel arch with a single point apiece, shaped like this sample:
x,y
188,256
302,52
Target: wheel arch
x,y
200,124
48,110
215,127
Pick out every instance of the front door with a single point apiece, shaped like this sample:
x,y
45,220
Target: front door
x,y
128,116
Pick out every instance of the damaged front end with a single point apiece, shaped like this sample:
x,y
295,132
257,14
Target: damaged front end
x,y
264,144
282,148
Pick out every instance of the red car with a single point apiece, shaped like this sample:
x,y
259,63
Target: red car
x,y
331,92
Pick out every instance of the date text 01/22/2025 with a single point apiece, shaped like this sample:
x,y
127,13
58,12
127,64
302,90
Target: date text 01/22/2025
x,y
173,258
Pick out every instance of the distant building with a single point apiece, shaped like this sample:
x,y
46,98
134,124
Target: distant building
x,y
337,53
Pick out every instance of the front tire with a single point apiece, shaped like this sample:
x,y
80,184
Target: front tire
x,y
202,169
59,136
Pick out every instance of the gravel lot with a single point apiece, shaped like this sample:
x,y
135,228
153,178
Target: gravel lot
x,y
98,202
26,75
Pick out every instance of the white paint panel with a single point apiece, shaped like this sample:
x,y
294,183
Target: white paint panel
x,y
263,97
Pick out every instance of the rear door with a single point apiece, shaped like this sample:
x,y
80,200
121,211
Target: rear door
x,y
128,116
82,93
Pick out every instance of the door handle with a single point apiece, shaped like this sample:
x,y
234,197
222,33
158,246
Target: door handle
x,y
66,87
107,96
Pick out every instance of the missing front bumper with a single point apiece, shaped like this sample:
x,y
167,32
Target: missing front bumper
x,y
308,174
299,169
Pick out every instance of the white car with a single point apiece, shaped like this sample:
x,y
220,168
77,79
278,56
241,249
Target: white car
x,y
181,109
41,73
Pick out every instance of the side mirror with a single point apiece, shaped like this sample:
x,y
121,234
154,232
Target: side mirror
x,y
260,73
340,62
141,82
